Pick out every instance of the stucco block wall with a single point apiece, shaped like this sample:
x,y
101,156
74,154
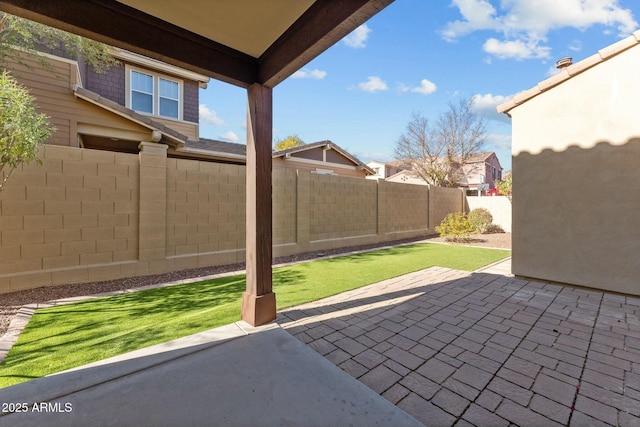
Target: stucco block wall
x,y
404,207
205,208
340,207
576,195
499,206
77,209
87,215
443,201
285,207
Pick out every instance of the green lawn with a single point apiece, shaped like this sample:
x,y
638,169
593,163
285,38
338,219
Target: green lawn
x,y
67,336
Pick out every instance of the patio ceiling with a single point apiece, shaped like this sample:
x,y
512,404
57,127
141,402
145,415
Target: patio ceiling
x,y
241,42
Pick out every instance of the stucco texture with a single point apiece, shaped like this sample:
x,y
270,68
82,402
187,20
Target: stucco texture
x,y
576,185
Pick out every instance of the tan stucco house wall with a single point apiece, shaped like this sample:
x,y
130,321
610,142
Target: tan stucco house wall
x,y
576,185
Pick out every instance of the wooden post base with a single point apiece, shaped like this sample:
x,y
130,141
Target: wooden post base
x,y
258,309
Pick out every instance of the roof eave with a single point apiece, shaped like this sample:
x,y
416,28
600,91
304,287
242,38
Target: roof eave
x,y
174,139
569,72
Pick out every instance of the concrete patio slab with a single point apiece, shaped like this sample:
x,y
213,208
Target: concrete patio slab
x,y
231,376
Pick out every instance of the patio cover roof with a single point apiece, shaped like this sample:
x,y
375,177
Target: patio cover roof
x,y
237,41
254,44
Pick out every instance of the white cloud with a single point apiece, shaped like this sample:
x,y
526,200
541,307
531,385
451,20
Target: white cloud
x,y
358,37
209,116
525,24
517,49
403,87
486,105
373,84
229,136
426,87
306,73
498,141
576,46
477,14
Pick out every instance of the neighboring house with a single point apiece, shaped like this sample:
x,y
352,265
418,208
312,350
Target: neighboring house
x,y
384,170
576,145
481,168
407,177
324,157
142,99
139,100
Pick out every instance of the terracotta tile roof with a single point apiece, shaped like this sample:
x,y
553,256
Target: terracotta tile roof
x,y
570,71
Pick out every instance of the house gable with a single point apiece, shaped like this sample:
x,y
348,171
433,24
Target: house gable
x,y
115,85
322,157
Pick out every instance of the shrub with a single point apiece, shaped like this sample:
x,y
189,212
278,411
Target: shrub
x,y
480,219
495,228
455,227
505,186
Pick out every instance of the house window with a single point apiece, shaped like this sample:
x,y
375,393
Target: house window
x,y
153,94
494,173
141,92
169,98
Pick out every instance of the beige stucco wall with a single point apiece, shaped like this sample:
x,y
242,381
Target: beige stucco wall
x,y
88,215
576,193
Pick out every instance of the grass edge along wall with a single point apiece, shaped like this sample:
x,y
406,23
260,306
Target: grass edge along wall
x,y
87,215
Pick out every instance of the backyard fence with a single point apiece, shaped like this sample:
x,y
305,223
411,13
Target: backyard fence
x,y
87,215
499,206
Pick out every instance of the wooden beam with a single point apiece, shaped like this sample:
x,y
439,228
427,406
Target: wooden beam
x,y
119,25
325,23
259,302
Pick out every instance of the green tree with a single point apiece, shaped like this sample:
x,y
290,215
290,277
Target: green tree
x,y
288,142
22,128
504,186
437,152
31,38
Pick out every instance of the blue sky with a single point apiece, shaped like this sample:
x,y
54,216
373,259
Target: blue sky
x,y
419,56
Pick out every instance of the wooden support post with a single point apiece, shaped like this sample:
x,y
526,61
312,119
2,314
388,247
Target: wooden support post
x,y
258,301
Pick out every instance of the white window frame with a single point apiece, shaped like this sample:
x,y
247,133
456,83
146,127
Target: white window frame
x,y
156,91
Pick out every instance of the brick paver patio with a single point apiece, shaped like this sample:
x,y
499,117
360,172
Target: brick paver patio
x,y
458,348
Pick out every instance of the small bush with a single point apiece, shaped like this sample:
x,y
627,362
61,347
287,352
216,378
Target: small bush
x,y
495,228
480,219
455,227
